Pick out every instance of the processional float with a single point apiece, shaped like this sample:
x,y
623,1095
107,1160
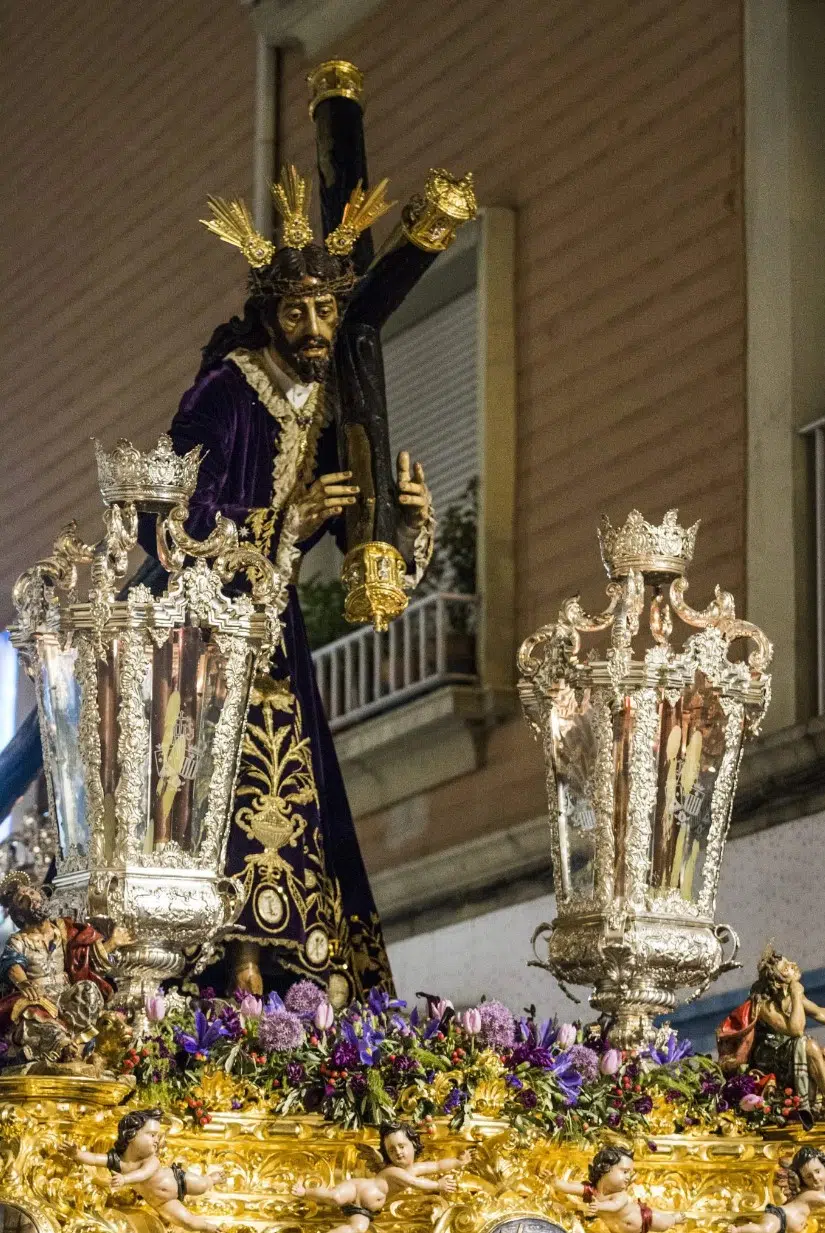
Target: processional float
x,y
268,1103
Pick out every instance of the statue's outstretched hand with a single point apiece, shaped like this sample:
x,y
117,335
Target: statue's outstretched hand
x,y
325,499
413,493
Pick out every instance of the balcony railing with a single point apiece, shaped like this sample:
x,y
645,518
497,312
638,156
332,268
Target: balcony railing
x,y
364,673
816,430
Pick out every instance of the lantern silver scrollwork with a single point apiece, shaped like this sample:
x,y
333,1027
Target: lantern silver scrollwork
x,y
142,704
642,757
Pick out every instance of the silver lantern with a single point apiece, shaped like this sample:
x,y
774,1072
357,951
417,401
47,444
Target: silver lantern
x,y
142,705
642,755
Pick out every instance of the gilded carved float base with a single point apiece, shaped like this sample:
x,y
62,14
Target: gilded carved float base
x,y
709,1177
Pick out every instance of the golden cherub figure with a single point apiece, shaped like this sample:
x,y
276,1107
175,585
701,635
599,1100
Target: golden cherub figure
x,y
605,1194
361,1199
134,1161
804,1186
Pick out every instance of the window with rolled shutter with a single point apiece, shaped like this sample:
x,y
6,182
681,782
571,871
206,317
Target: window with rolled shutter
x,y
430,370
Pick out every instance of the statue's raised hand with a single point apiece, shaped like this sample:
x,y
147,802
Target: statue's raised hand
x,y
325,499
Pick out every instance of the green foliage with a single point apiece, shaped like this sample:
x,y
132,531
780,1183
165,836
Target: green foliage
x,y
322,604
453,567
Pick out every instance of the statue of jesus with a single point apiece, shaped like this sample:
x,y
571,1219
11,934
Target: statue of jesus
x,y
259,413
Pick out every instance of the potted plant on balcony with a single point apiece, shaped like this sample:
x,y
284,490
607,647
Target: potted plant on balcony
x,y
453,569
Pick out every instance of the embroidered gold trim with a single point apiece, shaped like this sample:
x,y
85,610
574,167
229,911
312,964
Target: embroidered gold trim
x,y
294,462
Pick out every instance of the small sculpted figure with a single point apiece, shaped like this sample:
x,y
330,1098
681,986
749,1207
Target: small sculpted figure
x,y
605,1194
804,1184
769,1031
361,1199
134,1161
52,976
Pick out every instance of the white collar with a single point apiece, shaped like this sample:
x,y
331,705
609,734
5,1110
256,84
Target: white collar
x,y
296,394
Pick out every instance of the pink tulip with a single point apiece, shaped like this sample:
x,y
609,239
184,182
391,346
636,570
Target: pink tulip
x,y
471,1021
251,1007
610,1061
750,1102
155,1007
324,1017
441,1007
566,1036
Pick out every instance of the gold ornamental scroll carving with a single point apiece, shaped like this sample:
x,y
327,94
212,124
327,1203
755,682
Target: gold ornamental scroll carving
x,y
710,1178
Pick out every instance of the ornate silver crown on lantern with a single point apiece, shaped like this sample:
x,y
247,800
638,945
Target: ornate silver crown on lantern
x,y
142,704
642,756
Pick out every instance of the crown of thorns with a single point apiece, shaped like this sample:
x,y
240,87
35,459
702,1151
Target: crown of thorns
x,y
232,222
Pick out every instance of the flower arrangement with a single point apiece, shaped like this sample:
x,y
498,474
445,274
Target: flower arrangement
x,y
377,1061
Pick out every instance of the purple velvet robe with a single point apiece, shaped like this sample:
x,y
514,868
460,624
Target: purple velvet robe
x,y
293,844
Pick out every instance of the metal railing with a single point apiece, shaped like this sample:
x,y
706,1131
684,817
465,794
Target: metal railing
x,y
364,673
816,430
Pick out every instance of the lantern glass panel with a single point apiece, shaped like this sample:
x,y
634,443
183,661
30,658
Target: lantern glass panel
x,y
60,692
692,744
574,757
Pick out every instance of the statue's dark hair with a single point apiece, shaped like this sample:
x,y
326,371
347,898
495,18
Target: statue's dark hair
x,y
267,287
133,1122
804,1156
768,983
604,1161
394,1128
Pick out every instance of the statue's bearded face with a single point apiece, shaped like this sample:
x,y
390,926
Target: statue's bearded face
x,y
304,328
29,907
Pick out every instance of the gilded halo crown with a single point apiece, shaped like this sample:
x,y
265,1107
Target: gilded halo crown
x,y
232,222
152,480
639,545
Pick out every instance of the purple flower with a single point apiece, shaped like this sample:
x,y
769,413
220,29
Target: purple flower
x,y
737,1087
673,1051
295,1073
207,1034
379,1002
528,1098
709,1086
514,1081
324,1017
566,1036
367,1044
750,1102
610,1062
250,1006
404,1063
344,1055
358,1083
498,1027
456,1098
304,998
585,1061
643,1105
280,1032
231,1020
568,1078
613,1118
273,1002
470,1020
156,1007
